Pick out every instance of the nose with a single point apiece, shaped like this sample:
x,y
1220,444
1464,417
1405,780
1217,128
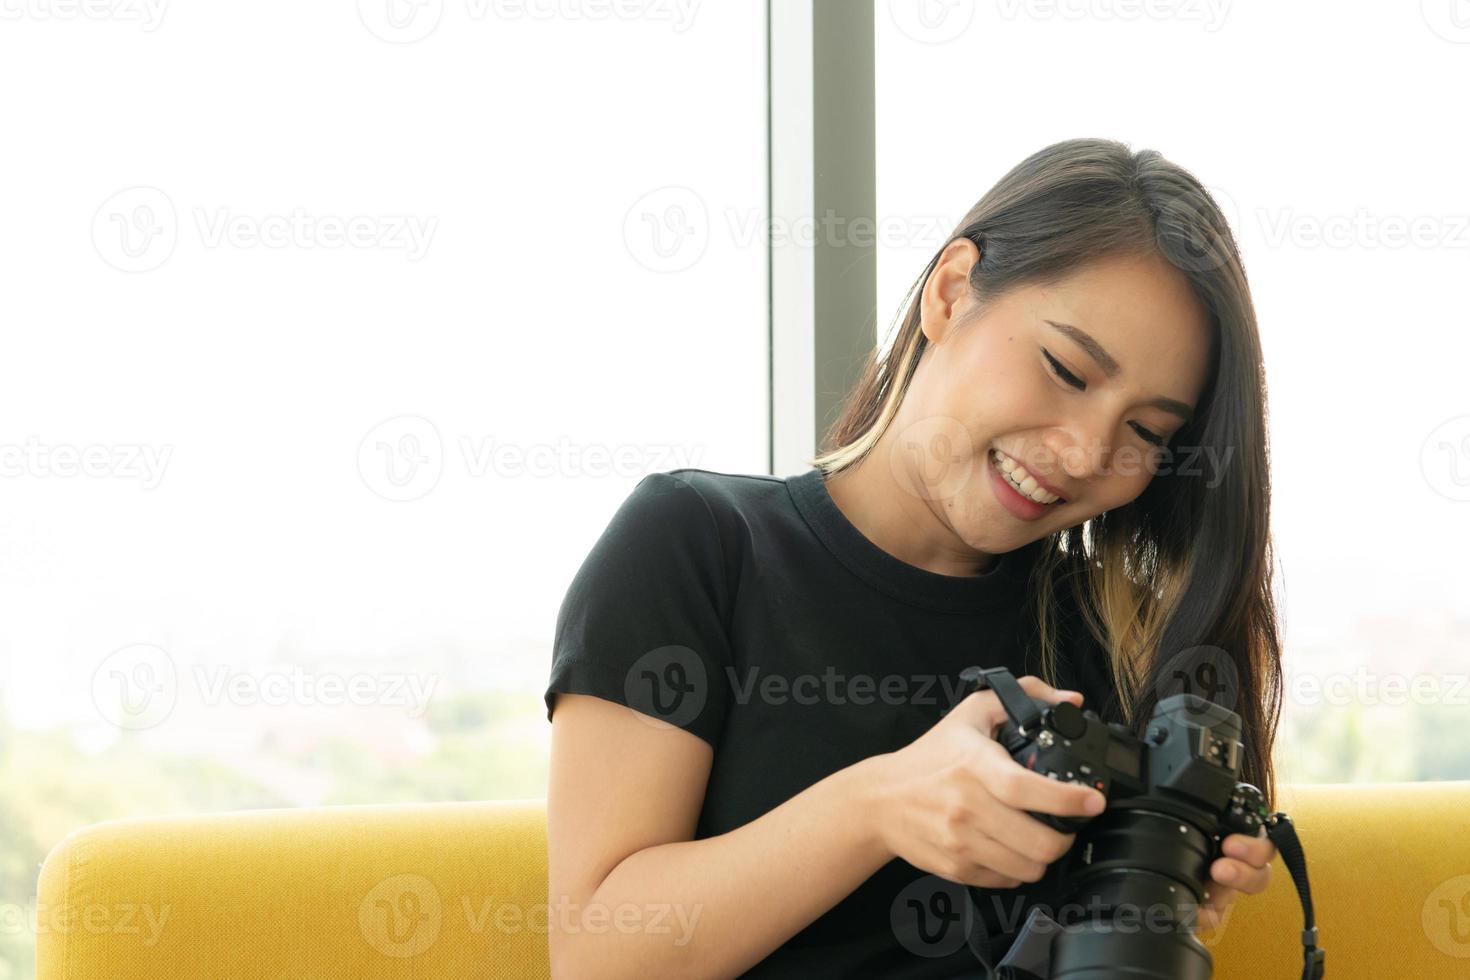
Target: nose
x,y
1080,455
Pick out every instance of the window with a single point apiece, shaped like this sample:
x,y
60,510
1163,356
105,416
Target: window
x,y
334,340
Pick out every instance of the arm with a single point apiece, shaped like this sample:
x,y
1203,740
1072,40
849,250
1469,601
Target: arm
x,y
623,802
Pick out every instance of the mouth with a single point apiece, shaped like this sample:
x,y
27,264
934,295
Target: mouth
x,y
1025,484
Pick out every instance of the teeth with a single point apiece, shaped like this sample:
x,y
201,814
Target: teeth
x,y
1024,482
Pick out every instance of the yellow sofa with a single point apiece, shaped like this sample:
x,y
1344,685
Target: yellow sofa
x,y
458,890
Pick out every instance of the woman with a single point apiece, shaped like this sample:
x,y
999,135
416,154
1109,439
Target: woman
x,y
1058,466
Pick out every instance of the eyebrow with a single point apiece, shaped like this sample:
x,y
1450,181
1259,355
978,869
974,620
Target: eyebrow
x,y
1112,368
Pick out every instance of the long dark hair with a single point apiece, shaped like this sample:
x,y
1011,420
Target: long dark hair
x,y
1176,584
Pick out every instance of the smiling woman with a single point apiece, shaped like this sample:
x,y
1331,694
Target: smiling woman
x,y
998,491
1086,332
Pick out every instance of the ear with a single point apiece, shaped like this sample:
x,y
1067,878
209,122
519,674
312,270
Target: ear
x,y
946,293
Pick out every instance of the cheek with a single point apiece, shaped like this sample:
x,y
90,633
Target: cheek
x,y
994,406
999,391
1135,466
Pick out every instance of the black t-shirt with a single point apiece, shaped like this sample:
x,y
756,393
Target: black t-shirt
x,y
749,611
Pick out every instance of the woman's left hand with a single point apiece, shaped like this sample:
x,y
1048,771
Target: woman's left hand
x,y
1246,867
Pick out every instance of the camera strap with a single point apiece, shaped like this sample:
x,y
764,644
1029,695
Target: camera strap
x,y
1283,834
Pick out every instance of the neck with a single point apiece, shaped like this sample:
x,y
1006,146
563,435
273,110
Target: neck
x,y
901,522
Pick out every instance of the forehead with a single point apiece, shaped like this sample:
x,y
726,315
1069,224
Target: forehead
x,y
1143,311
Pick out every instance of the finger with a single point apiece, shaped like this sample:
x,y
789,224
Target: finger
x,y
1021,789
986,878
988,715
1258,851
1218,897
1024,834
1242,877
987,852
1214,908
984,710
1038,688
1210,917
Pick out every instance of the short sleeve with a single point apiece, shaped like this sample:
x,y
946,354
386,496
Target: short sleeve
x,y
643,622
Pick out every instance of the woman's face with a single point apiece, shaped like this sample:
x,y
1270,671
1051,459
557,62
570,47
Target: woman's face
x,y
1078,383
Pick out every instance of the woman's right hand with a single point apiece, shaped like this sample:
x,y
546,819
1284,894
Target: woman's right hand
x,y
953,802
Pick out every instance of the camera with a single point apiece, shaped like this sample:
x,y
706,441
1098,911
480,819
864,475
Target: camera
x,y
1172,797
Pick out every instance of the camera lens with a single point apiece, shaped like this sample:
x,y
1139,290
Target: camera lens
x,y
1137,883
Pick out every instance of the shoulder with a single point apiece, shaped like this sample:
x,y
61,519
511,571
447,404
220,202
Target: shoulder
x,y
662,552
692,502
730,493
737,506
686,517
664,503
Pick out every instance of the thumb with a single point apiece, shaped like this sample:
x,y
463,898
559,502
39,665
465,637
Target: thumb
x,y
1038,688
981,710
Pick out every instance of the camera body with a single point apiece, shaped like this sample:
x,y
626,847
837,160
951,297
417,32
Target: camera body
x,y
1172,797
1188,762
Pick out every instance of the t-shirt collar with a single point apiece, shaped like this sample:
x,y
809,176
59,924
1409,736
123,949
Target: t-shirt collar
x,y
1002,583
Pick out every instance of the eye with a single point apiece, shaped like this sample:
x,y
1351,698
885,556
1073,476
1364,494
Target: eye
x,y
1148,436
1063,373
1080,385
